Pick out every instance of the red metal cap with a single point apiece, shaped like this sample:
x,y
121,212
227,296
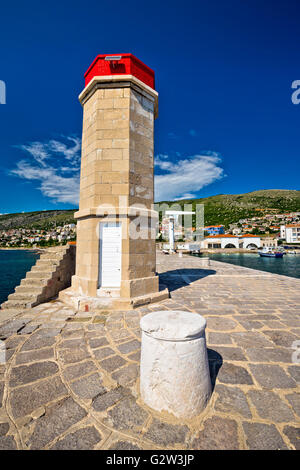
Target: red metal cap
x,y
120,64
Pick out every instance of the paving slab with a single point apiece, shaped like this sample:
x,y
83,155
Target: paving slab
x,y
75,384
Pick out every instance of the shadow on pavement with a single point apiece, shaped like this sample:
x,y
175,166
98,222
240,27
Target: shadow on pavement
x,y
215,362
183,277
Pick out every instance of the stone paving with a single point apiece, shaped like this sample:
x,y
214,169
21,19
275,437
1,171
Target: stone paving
x,y
71,379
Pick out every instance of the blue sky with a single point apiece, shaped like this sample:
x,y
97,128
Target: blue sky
x,y
224,72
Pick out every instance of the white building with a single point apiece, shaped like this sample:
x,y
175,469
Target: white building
x,y
269,242
282,232
231,241
292,233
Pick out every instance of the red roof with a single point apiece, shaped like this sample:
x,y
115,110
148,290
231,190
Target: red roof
x,y
249,235
233,236
293,225
223,235
125,64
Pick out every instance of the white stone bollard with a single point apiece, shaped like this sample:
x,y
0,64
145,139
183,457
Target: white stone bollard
x,y
174,374
204,261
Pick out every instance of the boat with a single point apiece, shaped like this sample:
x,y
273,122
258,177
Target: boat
x,y
271,253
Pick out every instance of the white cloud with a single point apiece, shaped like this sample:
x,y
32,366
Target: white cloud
x,y
37,150
185,196
70,153
182,179
50,163
160,162
55,166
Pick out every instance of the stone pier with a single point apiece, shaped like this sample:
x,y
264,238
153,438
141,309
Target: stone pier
x,y
70,379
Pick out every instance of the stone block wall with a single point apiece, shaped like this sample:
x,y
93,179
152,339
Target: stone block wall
x,y
117,171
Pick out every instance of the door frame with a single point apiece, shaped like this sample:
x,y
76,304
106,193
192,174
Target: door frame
x,y
102,225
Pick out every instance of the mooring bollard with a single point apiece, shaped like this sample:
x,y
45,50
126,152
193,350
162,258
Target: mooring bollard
x,y
204,261
174,364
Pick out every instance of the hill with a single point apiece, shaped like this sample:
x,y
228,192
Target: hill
x,y
43,220
229,208
221,209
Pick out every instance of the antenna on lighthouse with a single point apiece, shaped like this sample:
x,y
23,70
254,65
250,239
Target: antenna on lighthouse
x,y
114,59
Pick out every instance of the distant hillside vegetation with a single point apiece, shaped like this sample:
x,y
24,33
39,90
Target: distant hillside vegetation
x,y
43,220
229,208
221,209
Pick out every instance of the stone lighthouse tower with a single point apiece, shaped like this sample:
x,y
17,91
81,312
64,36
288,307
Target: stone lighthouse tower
x,y
115,253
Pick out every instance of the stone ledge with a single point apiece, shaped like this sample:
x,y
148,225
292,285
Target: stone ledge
x,y
119,81
85,303
125,211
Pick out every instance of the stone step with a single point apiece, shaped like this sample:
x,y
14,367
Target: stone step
x,y
18,304
34,281
39,275
52,256
44,267
58,249
24,296
33,290
48,262
52,266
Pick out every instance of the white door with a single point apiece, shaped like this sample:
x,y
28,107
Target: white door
x,y
110,254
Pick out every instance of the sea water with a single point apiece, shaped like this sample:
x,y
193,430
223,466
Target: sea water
x,y
289,265
14,265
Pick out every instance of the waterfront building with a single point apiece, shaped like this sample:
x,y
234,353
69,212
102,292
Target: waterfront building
x,y
292,233
246,241
269,242
282,232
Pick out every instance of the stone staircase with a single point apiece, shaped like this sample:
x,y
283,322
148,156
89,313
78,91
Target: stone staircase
x,y
51,274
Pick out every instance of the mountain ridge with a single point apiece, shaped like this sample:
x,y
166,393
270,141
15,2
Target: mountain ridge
x,y
218,209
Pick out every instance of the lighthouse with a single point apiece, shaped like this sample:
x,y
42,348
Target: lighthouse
x,y
115,252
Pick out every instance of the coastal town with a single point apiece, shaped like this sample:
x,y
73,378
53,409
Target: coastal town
x,y
270,229
30,237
